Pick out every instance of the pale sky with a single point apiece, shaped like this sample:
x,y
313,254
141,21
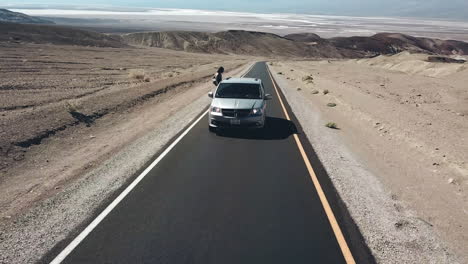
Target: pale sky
x,y
447,9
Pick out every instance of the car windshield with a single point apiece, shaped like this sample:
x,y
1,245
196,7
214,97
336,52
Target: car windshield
x,y
239,90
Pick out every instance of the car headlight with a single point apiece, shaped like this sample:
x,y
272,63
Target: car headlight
x,y
257,111
215,109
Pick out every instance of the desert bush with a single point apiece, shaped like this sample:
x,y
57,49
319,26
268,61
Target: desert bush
x,y
280,73
147,79
325,91
308,79
137,75
70,107
299,89
315,92
331,104
331,125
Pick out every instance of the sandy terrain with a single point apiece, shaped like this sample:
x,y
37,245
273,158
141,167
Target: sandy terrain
x,y
399,157
52,98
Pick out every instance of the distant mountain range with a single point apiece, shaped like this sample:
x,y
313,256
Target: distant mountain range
x,y
20,28
15,17
296,45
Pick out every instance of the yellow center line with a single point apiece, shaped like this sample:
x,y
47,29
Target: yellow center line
x,y
323,199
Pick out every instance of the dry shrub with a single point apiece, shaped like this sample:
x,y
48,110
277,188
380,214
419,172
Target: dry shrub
x,y
331,125
137,75
70,107
308,79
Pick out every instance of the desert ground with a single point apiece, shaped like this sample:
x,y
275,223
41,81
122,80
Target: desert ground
x,y
405,120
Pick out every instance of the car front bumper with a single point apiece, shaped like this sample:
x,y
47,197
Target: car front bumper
x,y
248,121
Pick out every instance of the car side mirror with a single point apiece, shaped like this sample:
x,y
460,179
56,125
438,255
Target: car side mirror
x,y
210,94
267,97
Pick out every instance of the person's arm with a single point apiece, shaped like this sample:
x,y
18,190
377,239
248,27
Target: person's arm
x,y
215,80
219,78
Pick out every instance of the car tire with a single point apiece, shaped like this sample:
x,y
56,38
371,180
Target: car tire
x,y
212,129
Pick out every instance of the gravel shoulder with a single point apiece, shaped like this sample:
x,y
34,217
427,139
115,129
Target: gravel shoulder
x,y
397,160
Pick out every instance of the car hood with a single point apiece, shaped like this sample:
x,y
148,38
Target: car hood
x,y
227,103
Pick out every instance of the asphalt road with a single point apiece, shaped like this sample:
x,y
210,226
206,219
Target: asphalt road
x,y
236,197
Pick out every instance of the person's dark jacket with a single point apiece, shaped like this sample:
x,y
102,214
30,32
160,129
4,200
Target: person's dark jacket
x,y
217,78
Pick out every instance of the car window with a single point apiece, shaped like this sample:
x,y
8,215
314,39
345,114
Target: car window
x,y
239,91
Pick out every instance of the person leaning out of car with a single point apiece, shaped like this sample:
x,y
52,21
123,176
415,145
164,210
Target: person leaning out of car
x,y
218,77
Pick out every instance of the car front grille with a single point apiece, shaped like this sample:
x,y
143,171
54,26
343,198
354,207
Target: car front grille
x,y
236,112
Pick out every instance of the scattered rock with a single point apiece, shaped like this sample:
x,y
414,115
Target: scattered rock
x,y
435,164
280,73
308,79
401,223
331,104
451,181
299,89
326,91
315,92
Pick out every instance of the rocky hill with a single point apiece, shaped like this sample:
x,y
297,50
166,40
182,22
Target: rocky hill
x,y
390,43
45,34
15,17
295,45
238,42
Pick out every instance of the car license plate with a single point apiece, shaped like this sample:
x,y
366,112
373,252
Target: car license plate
x,y
235,121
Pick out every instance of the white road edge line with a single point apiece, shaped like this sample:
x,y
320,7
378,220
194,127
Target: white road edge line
x,y
65,252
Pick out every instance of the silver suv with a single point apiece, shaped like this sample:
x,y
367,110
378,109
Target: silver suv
x,y
238,102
